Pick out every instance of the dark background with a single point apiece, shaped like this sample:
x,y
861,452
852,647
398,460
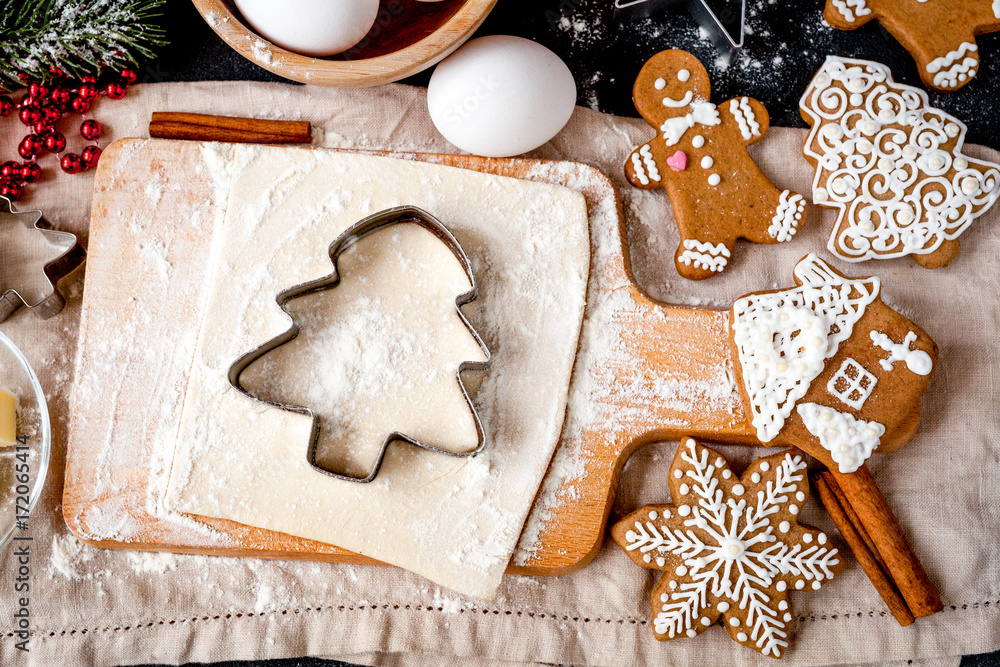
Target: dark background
x,y
785,45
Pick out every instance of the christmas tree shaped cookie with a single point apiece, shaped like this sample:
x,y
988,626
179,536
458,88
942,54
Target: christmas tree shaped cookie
x,y
939,34
730,548
377,348
699,157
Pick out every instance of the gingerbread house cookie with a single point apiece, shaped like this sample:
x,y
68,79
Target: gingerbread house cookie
x,y
699,157
940,34
892,165
731,548
828,367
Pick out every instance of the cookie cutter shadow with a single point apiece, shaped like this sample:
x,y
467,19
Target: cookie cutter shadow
x,y
353,234
70,256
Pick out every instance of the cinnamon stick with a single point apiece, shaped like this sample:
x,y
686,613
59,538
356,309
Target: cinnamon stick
x,y
879,523
868,559
203,127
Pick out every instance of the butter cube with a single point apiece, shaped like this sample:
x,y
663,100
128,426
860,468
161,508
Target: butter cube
x,y
8,418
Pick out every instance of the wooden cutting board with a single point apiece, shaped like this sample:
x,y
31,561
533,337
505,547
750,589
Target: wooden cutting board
x,y
123,405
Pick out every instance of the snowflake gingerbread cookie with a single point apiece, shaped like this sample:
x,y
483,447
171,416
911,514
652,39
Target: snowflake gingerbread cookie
x,y
730,548
939,34
892,165
699,157
826,366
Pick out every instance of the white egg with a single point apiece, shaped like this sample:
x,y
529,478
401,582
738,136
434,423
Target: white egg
x,y
311,27
499,96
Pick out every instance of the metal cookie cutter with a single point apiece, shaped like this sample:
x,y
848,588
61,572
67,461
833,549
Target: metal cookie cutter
x,y
725,24
357,231
68,254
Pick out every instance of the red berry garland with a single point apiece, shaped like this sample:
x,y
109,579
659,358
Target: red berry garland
x,y
41,109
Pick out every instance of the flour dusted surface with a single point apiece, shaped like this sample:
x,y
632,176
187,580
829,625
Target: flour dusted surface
x,y
455,521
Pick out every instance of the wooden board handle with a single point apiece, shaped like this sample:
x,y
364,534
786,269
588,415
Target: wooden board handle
x,y
202,127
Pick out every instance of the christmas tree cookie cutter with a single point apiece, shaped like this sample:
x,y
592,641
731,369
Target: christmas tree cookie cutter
x,y
726,26
67,256
353,234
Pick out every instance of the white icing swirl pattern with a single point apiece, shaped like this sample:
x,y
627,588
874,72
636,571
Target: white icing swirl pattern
x,y
953,68
850,441
891,163
726,552
852,9
784,338
744,115
787,216
705,255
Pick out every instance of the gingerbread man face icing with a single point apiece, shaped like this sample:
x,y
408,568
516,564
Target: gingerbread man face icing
x,y
939,34
699,157
892,165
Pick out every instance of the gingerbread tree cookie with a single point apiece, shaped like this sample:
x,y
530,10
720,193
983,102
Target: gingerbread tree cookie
x,y
892,165
939,34
826,366
699,157
729,548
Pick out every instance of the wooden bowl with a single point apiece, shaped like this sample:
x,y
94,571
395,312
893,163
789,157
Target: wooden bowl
x,y
408,37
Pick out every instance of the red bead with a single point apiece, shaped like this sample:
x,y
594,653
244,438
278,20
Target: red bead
x,y
90,156
71,163
6,105
60,96
88,91
115,90
91,130
30,172
81,104
129,76
10,171
30,146
88,78
55,142
55,71
38,91
29,114
51,114
10,190
41,129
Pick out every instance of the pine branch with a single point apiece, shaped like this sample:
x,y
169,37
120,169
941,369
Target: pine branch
x,y
77,37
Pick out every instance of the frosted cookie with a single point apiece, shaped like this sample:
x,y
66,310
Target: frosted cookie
x,y
700,158
731,549
940,34
828,367
892,165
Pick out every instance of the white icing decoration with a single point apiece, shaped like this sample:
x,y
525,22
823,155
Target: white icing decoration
x,y
786,218
744,115
647,159
729,550
917,361
639,170
702,113
834,430
845,8
705,255
714,179
660,84
784,338
707,162
852,384
923,200
699,140
683,102
948,71
683,75
996,8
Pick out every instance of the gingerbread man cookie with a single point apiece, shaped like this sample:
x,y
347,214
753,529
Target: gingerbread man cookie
x,y
699,157
729,548
939,34
892,165
826,366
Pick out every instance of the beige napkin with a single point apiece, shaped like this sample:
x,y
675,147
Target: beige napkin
x,y
104,607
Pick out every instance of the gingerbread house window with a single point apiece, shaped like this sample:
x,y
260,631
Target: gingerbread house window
x,y
852,384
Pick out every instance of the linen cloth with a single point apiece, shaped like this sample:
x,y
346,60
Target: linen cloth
x,y
92,606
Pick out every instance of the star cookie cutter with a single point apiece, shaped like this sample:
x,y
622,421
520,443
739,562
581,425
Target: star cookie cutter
x,y
70,256
725,27
354,233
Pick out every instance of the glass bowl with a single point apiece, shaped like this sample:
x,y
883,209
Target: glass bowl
x,y
22,468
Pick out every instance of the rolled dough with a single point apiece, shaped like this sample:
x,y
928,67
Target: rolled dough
x,y
453,520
